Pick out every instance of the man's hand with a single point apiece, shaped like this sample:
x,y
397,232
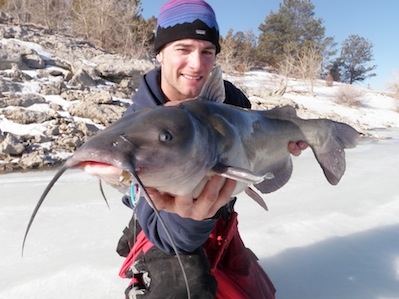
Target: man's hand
x,y
297,148
217,192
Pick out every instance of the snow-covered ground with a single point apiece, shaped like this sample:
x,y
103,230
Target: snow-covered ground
x,y
321,241
317,241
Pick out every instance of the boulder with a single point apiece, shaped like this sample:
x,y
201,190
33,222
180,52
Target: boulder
x,y
12,145
24,116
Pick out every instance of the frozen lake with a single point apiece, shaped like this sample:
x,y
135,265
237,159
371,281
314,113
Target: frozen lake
x,y
317,241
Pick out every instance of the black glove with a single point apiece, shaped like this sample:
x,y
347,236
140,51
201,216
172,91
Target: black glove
x,y
128,238
159,276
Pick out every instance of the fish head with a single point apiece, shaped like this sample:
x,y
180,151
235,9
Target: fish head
x,y
162,145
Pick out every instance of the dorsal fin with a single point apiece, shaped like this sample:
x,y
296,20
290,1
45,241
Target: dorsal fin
x,y
284,112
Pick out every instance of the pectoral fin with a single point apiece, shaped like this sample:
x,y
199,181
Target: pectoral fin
x,y
246,176
240,174
256,197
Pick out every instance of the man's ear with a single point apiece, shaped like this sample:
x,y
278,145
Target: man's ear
x,y
159,57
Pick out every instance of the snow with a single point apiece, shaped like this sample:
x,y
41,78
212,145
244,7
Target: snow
x,y
20,129
321,241
316,242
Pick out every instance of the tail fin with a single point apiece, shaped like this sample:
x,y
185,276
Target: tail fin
x,y
331,155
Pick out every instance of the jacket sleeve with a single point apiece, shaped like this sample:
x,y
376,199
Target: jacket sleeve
x,y
187,234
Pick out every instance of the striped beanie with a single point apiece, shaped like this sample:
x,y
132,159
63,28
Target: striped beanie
x,y
181,19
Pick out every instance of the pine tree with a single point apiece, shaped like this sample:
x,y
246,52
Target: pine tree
x,y
356,52
292,28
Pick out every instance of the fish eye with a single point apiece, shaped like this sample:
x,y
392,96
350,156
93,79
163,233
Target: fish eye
x,y
165,136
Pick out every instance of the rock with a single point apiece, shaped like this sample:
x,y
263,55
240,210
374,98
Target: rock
x,y
9,58
52,131
81,77
17,75
33,61
42,138
2,136
69,143
87,129
121,67
14,53
12,145
24,116
56,107
72,96
52,88
102,97
31,160
61,63
71,76
24,100
7,86
102,114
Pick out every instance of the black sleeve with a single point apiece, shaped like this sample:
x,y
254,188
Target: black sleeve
x,y
235,97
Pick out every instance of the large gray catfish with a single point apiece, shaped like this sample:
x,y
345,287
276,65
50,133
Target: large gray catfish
x,y
176,149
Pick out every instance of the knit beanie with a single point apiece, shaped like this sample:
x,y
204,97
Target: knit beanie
x,y
181,19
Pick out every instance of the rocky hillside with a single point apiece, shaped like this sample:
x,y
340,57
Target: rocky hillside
x,y
57,91
69,87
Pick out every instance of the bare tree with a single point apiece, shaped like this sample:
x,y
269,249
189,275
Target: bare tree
x,y
116,26
309,60
51,14
226,58
393,85
238,51
304,63
20,9
246,43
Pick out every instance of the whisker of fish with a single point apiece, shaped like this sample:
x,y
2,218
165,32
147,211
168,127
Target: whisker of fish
x,y
100,184
39,203
164,226
146,196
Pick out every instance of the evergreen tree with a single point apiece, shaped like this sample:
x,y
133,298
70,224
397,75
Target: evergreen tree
x,y
292,28
356,52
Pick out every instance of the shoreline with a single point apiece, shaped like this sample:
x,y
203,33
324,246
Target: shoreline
x,y
369,136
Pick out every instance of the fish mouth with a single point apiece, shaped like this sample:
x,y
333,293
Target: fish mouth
x,y
111,174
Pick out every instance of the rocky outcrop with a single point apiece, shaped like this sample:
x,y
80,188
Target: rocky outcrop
x,y
59,90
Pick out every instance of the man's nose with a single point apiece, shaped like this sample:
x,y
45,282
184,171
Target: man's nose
x,y
195,60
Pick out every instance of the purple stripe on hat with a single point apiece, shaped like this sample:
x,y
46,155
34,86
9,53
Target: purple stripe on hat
x,y
186,19
180,11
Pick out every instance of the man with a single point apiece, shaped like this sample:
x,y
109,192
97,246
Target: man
x,y
204,229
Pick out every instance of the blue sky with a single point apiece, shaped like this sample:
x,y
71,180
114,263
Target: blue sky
x,y
375,20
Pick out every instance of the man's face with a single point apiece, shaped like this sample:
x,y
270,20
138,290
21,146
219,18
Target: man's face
x,y
185,66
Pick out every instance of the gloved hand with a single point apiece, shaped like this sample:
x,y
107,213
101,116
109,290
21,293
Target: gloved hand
x,y
158,275
140,275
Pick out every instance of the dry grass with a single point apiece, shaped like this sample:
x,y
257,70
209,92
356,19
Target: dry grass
x,y
349,95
